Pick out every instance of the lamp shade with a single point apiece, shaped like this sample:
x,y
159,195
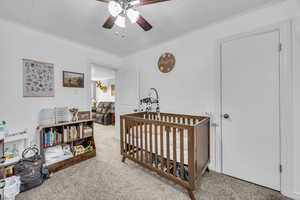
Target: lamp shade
x,y
121,21
114,8
133,15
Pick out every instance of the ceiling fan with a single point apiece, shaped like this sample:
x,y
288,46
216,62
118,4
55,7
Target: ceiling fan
x,y
120,9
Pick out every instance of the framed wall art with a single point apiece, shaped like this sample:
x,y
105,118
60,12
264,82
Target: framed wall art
x,y
73,79
84,115
38,79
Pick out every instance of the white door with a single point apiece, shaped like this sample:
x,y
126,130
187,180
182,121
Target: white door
x,y
250,108
127,94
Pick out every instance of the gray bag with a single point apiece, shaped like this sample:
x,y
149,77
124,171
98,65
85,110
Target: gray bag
x,y
31,170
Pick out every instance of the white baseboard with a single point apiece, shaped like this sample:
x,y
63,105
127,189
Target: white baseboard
x,y
296,196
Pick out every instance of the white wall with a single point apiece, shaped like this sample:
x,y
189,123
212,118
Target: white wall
x,y
192,86
105,96
18,42
296,80
101,72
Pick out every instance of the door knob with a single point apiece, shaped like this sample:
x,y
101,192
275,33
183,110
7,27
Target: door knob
x,y
226,116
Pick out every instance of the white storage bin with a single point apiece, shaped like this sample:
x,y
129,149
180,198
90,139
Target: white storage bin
x,y
12,187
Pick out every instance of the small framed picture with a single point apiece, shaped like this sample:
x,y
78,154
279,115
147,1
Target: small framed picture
x,y
85,115
73,79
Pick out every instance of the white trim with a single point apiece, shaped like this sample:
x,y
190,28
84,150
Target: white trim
x,y
296,195
286,102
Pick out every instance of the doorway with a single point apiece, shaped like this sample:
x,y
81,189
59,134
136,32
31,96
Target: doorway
x,y
103,90
250,105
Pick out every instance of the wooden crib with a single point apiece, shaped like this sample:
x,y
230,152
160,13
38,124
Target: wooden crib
x,y
174,146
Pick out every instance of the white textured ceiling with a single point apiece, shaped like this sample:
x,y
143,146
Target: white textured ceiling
x,y
81,20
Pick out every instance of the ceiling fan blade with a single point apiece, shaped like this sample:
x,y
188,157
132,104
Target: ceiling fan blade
x,y
105,1
147,2
109,22
144,24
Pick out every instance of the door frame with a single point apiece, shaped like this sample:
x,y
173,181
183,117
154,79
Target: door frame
x,y
285,102
119,104
88,76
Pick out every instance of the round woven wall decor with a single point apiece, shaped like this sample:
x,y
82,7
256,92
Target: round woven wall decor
x,y
166,62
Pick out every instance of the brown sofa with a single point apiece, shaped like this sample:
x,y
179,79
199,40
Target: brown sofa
x,y
104,112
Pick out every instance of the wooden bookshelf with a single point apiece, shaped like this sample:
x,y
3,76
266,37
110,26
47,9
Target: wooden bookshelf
x,y
80,139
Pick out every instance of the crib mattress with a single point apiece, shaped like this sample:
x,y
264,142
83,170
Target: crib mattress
x,y
137,140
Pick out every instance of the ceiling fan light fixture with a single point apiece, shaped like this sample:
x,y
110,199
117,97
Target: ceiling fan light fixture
x,y
114,8
121,21
135,2
133,15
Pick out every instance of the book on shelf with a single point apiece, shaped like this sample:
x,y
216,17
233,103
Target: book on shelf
x,y
70,133
81,131
66,134
52,137
87,131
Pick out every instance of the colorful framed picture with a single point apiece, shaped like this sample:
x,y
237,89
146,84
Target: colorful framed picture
x,y
73,79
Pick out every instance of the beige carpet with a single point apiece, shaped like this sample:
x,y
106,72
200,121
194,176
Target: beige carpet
x,y
107,178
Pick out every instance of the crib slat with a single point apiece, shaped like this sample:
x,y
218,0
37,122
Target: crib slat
x,y
151,143
133,140
181,153
137,140
141,138
191,150
174,153
146,141
126,136
162,146
168,148
129,138
122,136
156,145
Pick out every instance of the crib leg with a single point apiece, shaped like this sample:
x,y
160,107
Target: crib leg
x,y
192,195
123,159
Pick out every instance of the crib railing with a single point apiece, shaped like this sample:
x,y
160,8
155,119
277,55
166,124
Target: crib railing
x,y
174,146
